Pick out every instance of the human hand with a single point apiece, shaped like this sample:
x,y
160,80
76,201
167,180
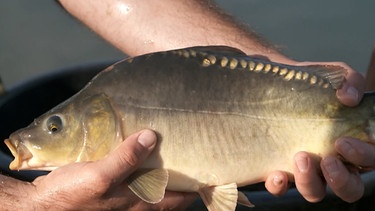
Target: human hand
x,y
345,182
101,185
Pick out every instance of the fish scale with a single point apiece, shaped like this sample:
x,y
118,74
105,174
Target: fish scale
x,y
223,119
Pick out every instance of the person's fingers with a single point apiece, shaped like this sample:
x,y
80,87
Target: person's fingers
x,y
348,94
353,88
277,183
356,152
345,184
129,155
307,177
351,91
177,200
171,201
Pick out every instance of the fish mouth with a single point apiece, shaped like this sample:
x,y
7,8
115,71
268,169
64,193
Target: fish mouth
x,y
20,152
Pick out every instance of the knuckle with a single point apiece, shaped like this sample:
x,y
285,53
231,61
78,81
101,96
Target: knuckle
x,y
130,158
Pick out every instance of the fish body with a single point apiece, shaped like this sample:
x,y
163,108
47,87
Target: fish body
x,y
223,119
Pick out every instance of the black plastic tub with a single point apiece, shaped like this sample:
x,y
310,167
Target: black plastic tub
x,y
21,104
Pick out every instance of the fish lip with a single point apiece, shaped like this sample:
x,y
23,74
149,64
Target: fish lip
x,y
20,152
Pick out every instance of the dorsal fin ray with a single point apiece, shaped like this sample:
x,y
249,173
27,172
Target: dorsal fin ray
x,y
218,50
334,74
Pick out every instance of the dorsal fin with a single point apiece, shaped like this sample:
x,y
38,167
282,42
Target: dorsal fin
x,y
217,50
334,74
233,58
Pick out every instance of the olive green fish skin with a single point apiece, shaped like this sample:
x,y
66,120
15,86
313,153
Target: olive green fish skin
x,y
222,117
232,113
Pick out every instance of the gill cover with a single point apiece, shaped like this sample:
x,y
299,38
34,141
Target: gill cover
x,y
101,128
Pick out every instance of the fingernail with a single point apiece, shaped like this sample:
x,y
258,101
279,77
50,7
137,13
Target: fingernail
x,y
331,166
352,92
147,138
302,163
277,181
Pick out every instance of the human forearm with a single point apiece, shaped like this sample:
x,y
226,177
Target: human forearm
x,y
138,27
15,194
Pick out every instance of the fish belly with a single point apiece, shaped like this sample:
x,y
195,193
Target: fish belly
x,y
213,148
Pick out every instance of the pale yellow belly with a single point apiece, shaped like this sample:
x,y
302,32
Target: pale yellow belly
x,y
210,149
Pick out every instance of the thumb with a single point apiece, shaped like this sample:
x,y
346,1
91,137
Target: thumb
x,y
353,87
129,155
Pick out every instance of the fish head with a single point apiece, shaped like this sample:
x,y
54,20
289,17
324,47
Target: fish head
x,y
76,130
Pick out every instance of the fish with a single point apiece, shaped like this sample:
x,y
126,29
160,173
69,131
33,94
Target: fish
x,y
223,120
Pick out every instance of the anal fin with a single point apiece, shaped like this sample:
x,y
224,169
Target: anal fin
x,y
149,184
223,197
243,200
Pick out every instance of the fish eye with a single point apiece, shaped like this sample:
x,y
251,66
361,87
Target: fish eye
x,y
54,124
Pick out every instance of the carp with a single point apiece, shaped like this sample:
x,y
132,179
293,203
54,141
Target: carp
x,y
223,119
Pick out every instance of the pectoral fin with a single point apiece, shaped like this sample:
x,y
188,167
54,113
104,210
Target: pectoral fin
x,y
222,197
149,184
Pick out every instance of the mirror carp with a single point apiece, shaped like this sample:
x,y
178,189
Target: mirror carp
x,y
223,119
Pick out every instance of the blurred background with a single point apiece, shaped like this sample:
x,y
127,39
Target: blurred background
x,y
38,36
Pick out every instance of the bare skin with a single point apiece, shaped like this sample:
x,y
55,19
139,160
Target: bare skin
x,y
137,27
